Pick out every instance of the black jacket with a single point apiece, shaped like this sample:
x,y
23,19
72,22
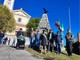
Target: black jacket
x,y
52,38
20,33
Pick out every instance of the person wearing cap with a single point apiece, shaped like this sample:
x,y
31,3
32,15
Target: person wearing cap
x,y
51,38
69,42
43,40
58,42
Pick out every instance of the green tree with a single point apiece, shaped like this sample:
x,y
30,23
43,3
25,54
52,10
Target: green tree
x,y
33,23
7,21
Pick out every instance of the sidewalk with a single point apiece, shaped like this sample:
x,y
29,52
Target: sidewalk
x,y
8,53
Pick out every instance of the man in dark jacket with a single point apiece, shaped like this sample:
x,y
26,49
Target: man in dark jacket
x,y
19,33
58,42
51,38
69,43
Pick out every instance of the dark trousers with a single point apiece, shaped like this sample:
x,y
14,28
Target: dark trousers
x,y
69,48
50,46
0,40
20,43
58,46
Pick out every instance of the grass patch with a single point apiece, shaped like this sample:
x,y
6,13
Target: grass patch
x,y
54,56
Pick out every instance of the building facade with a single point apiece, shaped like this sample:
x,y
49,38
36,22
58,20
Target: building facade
x,y
21,17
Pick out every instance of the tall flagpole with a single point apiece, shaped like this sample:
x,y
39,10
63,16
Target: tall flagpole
x,y
69,19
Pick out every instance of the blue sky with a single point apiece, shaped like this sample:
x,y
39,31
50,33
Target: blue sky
x,y
58,9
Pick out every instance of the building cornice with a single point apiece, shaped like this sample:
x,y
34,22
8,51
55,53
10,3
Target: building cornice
x,y
21,10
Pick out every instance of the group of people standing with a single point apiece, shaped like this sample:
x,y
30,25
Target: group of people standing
x,y
43,41
39,41
5,40
20,39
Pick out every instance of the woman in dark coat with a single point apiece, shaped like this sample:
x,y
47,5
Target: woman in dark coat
x,y
43,39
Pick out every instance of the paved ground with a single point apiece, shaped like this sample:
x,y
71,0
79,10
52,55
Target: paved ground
x,y
9,53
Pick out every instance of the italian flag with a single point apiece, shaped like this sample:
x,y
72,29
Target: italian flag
x,y
57,23
60,27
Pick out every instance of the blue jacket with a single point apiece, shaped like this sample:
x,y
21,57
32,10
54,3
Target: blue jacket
x,y
37,36
58,39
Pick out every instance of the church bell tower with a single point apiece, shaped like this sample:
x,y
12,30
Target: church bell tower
x,y
9,4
